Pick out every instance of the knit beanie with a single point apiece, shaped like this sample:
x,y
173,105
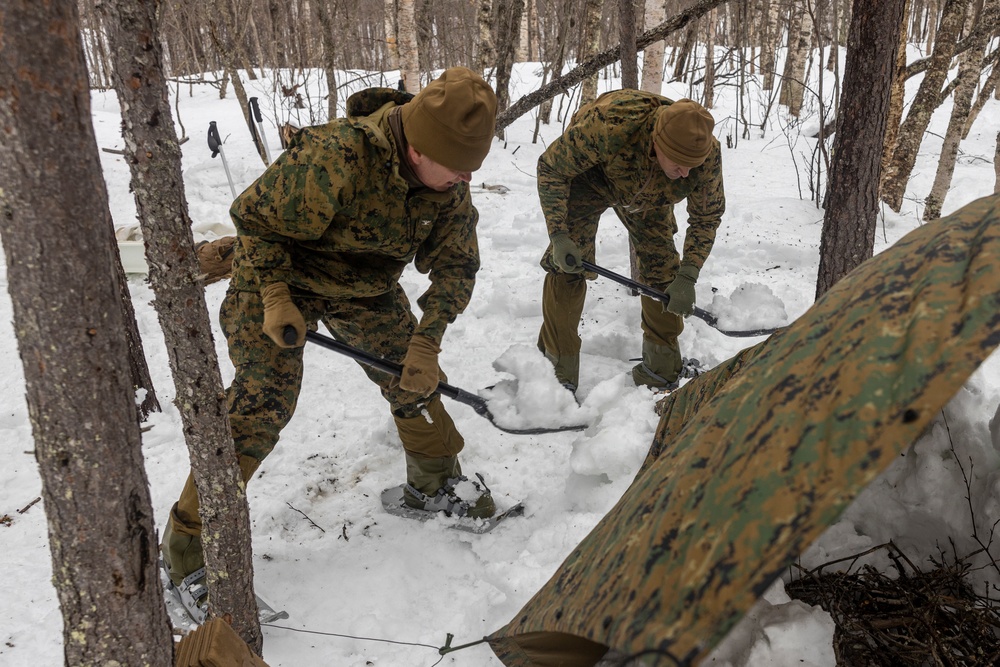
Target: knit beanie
x,y
683,132
452,119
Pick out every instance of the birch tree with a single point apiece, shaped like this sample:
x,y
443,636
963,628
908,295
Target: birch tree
x,y
652,59
409,56
968,78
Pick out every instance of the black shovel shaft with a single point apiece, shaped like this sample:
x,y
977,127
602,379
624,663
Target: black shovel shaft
x,y
646,290
477,403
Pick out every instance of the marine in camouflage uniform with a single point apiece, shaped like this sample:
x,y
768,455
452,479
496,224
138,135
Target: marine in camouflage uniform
x,y
639,154
323,236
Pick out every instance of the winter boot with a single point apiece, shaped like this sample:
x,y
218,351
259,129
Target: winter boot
x,y
437,484
660,367
181,549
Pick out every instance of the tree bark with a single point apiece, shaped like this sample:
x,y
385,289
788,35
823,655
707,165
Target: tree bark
x,y
848,237
328,37
591,45
563,83
626,28
895,102
911,132
709,86
772,37
968,78
409,58
391,34
508,16
652,59
487,50
793,84
155,162
58,237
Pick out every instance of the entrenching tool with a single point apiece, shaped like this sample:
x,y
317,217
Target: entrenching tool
x,y
215,145
646,290
477,403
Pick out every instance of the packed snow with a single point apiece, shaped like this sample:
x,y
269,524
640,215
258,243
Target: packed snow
x,y
365,588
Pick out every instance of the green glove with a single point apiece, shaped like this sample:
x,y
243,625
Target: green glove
x,y
565,253
420,366
681,291
279,313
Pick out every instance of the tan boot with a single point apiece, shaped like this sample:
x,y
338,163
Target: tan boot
x,y
181,548
660,367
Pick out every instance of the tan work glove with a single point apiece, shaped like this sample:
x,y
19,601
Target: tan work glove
x,y
280,313
420,366
565,253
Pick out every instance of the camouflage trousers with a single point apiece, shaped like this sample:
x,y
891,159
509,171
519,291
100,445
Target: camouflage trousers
x,y
268,378
563,295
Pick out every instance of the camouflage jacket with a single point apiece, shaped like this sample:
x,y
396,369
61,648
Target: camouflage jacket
x,y
333,217
609,144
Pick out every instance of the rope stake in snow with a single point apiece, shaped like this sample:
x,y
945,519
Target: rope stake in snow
x,y
215,145
646,290
477,403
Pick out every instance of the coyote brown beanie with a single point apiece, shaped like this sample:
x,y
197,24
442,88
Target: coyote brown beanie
x,y
683,132
451,121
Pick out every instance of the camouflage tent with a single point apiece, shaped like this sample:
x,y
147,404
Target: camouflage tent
x,y
752,461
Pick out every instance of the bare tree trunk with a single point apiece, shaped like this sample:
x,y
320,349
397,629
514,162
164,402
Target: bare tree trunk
x,y
57,235
968,78
155,161
996,165
895,103
990,87
409,57
508,25
626,27
523,39
391,34
652,60
684,54
848,237
771,41
591,45
911,132
328,38
793,85
710,62
487,49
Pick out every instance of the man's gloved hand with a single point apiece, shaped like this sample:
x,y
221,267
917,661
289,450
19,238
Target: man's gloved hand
x,y
681,291
279,313
420,366
565,253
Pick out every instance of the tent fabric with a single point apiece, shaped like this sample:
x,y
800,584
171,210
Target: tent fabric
x,y
753,460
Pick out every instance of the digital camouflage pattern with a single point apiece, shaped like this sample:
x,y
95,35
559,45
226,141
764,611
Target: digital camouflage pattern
x,y
604,160
753,460
332,218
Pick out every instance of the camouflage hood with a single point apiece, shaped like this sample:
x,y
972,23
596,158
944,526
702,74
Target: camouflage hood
x,y
753,460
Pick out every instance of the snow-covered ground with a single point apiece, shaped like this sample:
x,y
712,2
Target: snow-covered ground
x,y
388,590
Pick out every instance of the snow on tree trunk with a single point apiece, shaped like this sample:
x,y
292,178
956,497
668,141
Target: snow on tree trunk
x,y
652,59
928,98
852,203
409,60
58,238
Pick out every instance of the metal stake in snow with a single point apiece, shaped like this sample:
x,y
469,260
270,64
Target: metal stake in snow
x,y
215,145
257,131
